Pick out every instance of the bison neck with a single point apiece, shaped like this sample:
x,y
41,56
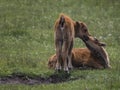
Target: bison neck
x,y
97,54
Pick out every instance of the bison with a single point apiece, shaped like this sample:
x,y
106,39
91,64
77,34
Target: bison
x,y
64,37
94,56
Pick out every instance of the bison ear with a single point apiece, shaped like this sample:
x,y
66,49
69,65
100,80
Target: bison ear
x,y
83,25
102,44
77,24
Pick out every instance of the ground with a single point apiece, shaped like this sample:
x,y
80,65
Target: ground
x,y
27,41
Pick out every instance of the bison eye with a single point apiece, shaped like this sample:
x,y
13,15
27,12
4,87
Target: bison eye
x,y
85,38
96,39
85,30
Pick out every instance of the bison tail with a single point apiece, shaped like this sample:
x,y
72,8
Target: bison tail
x,y
62,21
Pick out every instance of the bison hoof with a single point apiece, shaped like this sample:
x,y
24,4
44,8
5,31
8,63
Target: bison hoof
x,y
70,68
66,70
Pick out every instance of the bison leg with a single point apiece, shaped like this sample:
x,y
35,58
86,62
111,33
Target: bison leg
x,y
58,54
70,56
65,56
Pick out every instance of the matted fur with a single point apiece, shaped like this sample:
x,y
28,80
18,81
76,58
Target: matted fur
x,y
64,36
97,49
81,57
94,45
81,29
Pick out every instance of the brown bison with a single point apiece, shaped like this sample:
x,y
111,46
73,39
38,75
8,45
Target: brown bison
x,y
97,50
80,29
64,36
94,56
94,45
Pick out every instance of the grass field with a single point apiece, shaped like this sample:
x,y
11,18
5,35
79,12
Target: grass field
x,y
27,40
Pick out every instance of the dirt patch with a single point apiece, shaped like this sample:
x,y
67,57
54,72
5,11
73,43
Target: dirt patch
x,y
20,78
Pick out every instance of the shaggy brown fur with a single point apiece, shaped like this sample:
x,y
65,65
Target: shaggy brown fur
x,y
64,35
97,49
92,43
81,29
94,56
81,57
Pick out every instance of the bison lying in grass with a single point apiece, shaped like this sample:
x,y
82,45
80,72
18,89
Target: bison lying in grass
x,y
94,56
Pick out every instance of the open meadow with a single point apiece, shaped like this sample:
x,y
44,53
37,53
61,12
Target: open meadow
x,y
27,41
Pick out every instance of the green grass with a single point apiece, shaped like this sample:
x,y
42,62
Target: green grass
x,y
27,40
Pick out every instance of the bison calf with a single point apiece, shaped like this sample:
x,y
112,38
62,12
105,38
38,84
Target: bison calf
x,y
94,56
64,36
81,57
97,50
